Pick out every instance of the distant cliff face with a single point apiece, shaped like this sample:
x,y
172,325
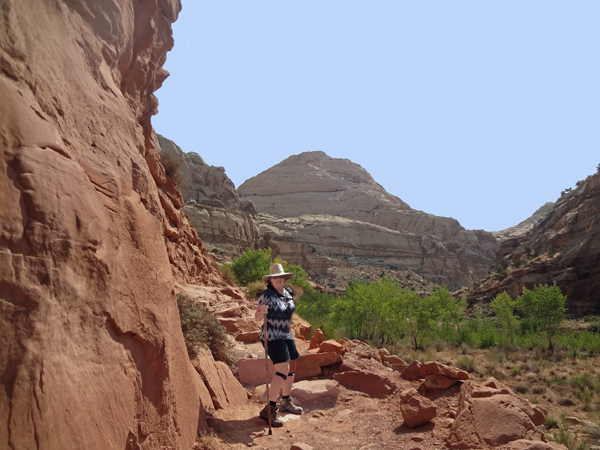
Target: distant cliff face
x,y
324,212
226,224
92,233
563,248
523,227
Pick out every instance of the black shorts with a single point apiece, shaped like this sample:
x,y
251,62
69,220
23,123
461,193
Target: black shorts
x,y
282,350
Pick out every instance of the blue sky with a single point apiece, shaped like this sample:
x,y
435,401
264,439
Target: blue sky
x,y
477,110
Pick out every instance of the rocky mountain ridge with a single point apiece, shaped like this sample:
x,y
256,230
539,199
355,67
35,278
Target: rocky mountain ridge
x,y
324,212
523,227
225,223
564,248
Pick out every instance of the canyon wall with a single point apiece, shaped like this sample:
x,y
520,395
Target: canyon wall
x,y
92,233
564,248
226,224
325,213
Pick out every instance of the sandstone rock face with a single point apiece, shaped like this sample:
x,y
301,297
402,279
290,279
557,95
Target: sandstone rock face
x,y
222,220
564,248
490,414
225,390
523,227
326,213
92,235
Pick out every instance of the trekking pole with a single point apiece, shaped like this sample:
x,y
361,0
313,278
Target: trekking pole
x,y
267,371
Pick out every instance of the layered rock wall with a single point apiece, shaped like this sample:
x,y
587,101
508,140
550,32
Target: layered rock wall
x,y
564,249
92,234
223,221
325,213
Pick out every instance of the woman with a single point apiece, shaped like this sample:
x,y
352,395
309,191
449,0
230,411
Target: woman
x,y
277,305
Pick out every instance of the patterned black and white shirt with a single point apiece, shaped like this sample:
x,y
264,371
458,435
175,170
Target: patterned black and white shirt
x,y
279,317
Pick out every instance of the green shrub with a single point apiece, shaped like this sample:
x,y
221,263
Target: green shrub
x,y
539,390
315,307
251,266
515,370
299,278
521,388
199,327
551,422
569,439
565,402
466,363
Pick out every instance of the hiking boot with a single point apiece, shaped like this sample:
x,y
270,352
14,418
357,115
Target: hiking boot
x,y
288,406
275,420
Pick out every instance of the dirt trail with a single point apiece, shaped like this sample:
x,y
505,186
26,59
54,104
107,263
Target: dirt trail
x,y
356,422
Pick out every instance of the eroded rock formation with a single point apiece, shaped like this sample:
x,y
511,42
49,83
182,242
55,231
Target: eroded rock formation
x,y
523,227
224,222
563,248
326,213
92,233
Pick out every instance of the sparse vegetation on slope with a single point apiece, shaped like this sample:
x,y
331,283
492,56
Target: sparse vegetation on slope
x,y
200,327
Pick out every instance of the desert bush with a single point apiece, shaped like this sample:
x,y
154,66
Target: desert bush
x,y
466,363
551,422
172,165
497,374
200,327
228,275
565,401
569,439
255,288
540,390
585,381
521,388
206,441
515,370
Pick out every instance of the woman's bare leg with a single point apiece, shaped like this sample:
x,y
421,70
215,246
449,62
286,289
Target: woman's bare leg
x,y
277,382
287,384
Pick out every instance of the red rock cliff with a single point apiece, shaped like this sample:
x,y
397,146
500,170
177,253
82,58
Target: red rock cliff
x,y
564,249
92,236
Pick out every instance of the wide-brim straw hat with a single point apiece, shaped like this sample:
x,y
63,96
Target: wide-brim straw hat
x,y
276,270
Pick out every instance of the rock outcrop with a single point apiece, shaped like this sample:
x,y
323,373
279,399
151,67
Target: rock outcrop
x,y
490,414
564,249
523,227
92,232
226,224
326,213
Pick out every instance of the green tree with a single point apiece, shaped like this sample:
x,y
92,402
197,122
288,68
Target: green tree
x,y
362,309
546,306
504,308
299,277
315,307
423,315
251,266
